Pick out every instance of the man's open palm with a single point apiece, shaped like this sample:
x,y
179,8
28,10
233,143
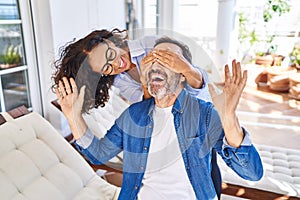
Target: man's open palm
x,y
226,102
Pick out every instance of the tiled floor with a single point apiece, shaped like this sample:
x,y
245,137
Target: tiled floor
x,y
272,118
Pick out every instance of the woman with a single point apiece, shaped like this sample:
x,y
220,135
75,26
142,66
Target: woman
x,y
114,57
105,58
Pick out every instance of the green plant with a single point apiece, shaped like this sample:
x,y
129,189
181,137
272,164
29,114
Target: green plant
x,y
295,55
10,55
275,7
254,42
247,36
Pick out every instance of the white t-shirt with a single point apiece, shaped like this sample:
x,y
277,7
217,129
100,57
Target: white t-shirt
x,y
165,176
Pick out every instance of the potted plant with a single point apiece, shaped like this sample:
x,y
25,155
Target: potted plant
x,y
10,57
260,45
295,56
272,8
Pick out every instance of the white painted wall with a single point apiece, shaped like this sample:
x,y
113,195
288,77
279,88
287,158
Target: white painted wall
x,y
76,18
57,22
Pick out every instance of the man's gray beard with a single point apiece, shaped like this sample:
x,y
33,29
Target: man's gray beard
x,y
163,92
169,89
157,94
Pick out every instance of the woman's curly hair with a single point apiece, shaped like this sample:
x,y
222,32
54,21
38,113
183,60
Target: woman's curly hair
x,y
73,63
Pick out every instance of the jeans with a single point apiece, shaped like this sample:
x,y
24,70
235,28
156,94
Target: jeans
x,y
216,174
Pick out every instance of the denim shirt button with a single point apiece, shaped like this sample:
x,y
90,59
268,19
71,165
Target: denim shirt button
x,y
226,154
142,168
136,187
150,126
145,148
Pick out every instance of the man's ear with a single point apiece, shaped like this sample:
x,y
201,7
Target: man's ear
x,y
182,79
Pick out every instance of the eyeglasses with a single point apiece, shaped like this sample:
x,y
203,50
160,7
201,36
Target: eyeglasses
x,y
110,55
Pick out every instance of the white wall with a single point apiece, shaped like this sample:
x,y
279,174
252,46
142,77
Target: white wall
x,y
57,22
76,18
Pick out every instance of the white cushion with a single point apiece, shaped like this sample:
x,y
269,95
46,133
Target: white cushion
x,y
100,119
281,171
37,163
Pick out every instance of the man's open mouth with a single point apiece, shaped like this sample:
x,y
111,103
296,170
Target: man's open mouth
x,y
157,77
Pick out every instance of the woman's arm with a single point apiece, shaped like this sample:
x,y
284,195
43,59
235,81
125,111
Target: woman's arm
x,y
71,104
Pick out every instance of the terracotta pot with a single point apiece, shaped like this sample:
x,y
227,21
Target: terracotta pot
x,y
294,91
264,60
278,78
276,71
6,66
269,60
294,79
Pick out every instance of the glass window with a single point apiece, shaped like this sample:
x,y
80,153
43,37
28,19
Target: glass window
x,y
9,10
14,85
150,14
15,90
197,18
11,46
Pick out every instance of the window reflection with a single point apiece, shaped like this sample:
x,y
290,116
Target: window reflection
x,y
9,10
15,90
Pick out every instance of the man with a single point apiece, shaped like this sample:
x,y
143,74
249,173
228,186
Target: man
x,y
167,140
103,58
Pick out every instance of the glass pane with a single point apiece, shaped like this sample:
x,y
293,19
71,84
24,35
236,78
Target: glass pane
x,y
150,13
194,19
15,90
11,46
9,9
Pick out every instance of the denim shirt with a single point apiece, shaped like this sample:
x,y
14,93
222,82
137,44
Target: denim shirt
x,y
198,130
132,90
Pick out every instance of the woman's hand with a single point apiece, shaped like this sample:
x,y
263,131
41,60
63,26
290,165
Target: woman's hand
x,y
67,94
175,62
71,104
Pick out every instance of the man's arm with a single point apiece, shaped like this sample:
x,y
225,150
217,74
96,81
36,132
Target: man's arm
x,y
227,101
244,160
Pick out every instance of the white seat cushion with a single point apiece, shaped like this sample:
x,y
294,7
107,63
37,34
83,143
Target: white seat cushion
x,y
37,163
281,171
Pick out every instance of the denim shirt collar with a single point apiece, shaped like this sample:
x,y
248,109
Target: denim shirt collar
x,y
180,102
